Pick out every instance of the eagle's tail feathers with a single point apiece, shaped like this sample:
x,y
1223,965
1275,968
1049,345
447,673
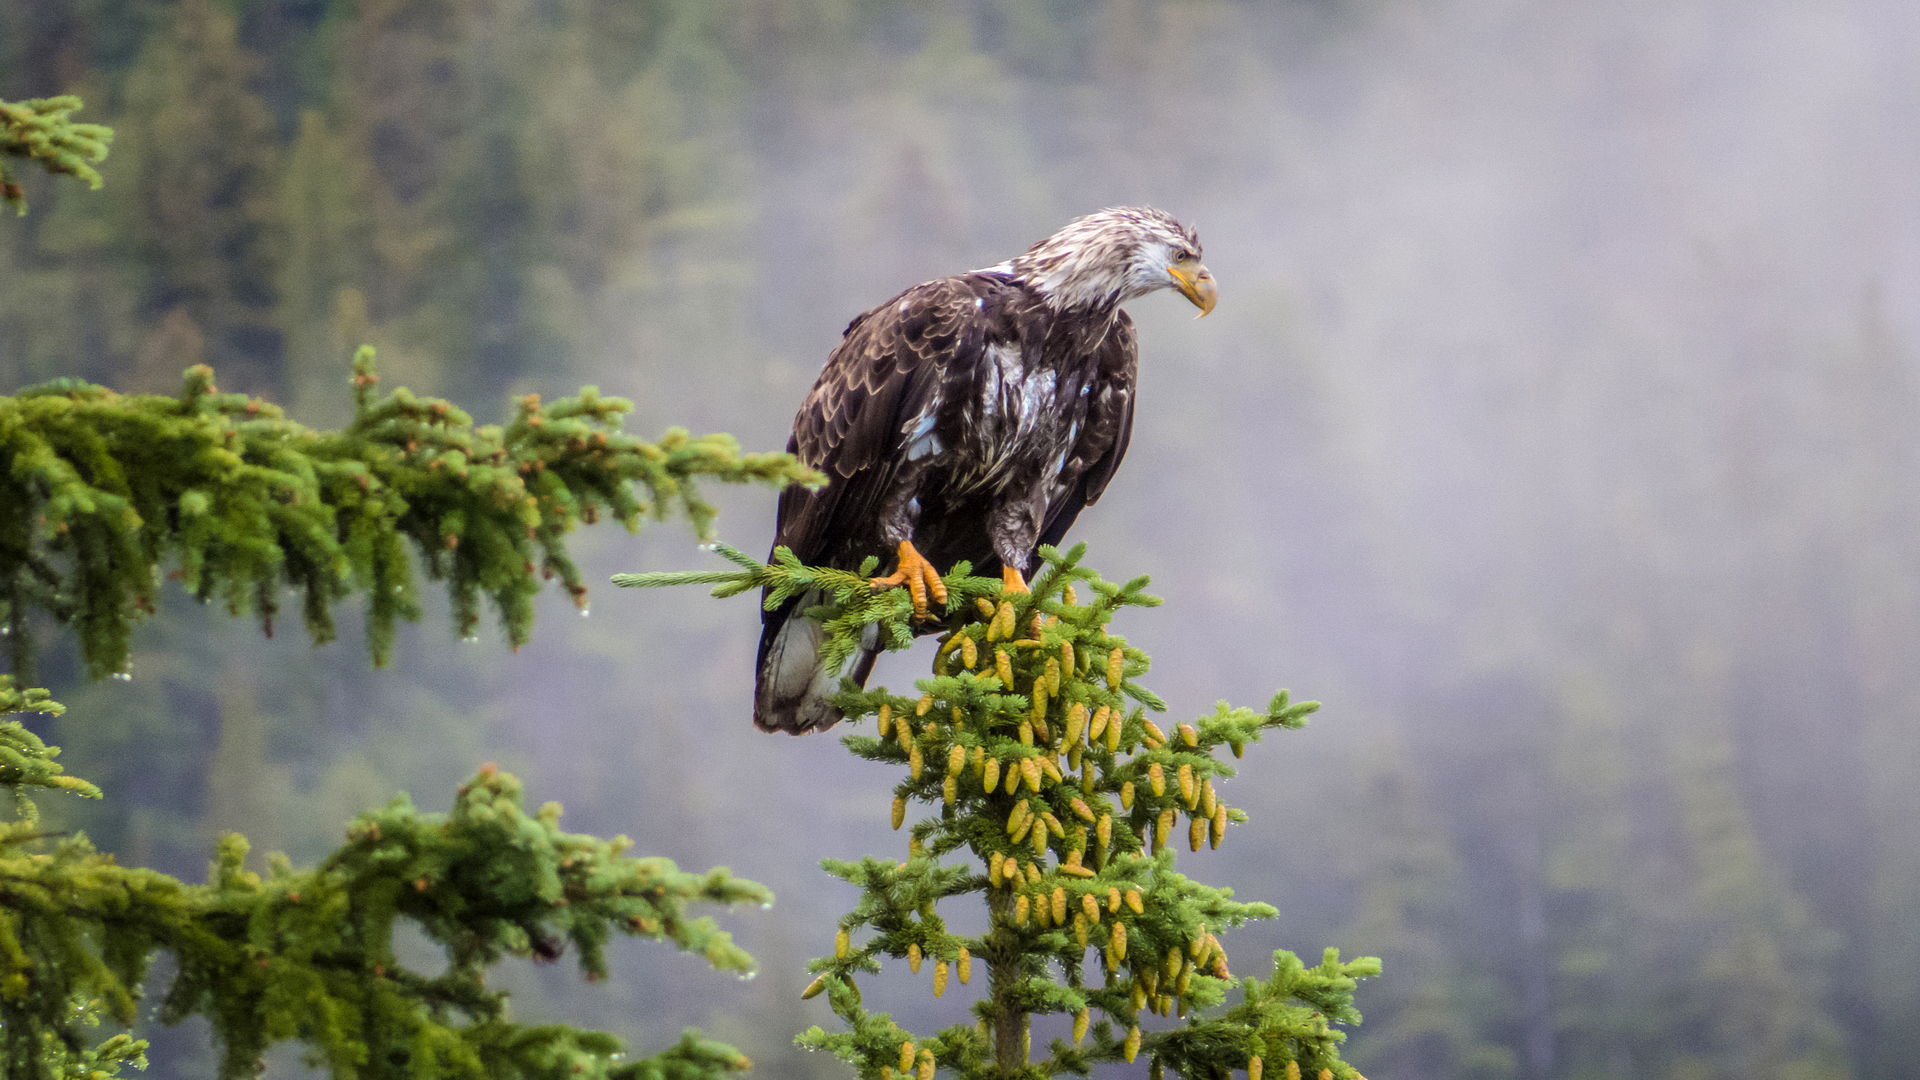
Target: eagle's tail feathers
x,y
793,688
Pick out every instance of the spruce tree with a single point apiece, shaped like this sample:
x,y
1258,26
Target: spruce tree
x,y
99,492
1057,804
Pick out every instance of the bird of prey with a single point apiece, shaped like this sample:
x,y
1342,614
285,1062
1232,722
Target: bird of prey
x,y
970,417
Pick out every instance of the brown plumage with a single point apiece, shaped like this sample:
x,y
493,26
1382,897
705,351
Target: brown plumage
x,y
972,416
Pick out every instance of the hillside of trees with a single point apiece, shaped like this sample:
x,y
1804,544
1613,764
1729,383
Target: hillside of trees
x,y
1554,427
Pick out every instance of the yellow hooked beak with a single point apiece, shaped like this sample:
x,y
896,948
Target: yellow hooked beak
x,y
1195,282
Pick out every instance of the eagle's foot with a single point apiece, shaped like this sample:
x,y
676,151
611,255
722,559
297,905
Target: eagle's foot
x,y
918,575
1011,580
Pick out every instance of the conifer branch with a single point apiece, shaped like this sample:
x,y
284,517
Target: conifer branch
x,y
99,490
1062,801
309,956
40,130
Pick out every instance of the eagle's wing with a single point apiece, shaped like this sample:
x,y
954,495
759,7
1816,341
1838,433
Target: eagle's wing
x,y
879,391
1103,437
880,385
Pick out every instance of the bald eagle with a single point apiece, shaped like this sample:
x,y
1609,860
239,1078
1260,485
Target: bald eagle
x,y
971,417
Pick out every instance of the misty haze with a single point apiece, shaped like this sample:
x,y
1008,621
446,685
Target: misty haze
x,y
1555,428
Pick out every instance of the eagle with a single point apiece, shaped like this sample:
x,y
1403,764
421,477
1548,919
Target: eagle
x,y
970,417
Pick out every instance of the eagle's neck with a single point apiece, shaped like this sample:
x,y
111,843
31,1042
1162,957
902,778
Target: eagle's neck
x,y
1078,269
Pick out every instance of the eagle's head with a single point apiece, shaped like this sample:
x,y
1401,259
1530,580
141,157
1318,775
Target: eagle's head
x,y
1115,255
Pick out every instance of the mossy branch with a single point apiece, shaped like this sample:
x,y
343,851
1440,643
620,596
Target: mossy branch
x,y
99,490
40,130
309,956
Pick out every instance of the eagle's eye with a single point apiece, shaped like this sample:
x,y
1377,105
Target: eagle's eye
x,y
1182,255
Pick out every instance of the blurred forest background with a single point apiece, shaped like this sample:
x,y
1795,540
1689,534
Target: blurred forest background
x,y
1555,428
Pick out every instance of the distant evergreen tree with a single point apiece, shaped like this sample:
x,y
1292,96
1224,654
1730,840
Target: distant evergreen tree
x,y
202,160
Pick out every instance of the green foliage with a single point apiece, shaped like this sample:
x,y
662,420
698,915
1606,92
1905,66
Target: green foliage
x,y
40,130
98,490
309,956
1063,800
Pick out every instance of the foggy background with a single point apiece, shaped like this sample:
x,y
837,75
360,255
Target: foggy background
x,y
1554,429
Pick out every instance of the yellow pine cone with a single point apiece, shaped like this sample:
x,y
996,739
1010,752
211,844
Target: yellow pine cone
x,y
1113,734
1293,1070
1219,824
1103,832
956,760
1017,819
969,653
906,1055
1066,596
1119,945
813,988
1081,809
926,1066
1020,907
1030,768
1196,832
1003,667
1175,961
1135,902
926,702
1254,1066
1162,829
995,864
1052,675
1059,904
990,775
1155,736
1097,726
1131,1048
950,790
1126,795
1137,995
1002,626
885,718
916,762
1066,661
1038,838
899,810
1080,1021
1157,779
1053,825
1076,723
913,958
963,965
1080,929
1092,907
984,606
1208,800
1188,735
1116,666
842,942
1026,733
1188,793
939,978
1113,900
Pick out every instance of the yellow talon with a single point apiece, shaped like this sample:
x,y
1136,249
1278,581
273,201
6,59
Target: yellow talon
x,y
918,575
1011,581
